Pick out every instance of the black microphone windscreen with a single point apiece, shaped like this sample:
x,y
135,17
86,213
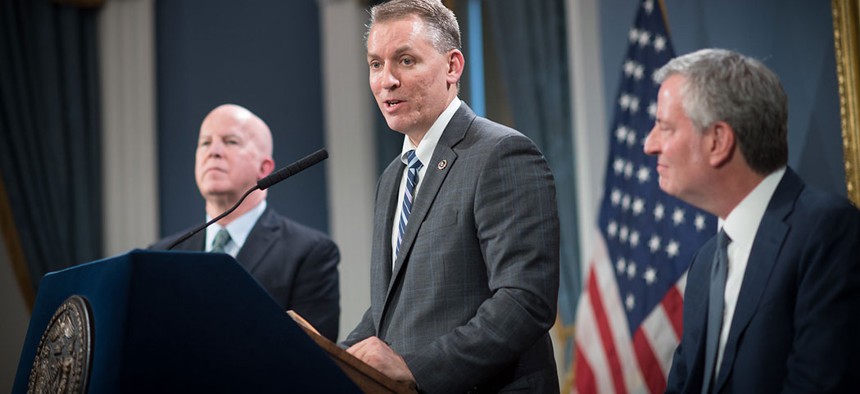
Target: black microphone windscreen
x,y
292,169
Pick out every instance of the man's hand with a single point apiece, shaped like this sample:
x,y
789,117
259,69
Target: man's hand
x,y
379,355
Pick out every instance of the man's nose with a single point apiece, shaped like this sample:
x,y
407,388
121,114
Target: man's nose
x,y
651,144
216,148
390,79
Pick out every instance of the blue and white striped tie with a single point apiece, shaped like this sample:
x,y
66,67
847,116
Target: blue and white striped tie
x,y
408,194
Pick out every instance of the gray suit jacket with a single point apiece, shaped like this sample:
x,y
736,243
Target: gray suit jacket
x,y
297,266
474,290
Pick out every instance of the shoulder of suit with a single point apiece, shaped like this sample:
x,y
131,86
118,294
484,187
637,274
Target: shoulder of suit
x,y
798,202
483,129
293,227
163,243
816,203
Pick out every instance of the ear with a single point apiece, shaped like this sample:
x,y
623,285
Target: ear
x,y
266,167
722,144
456,62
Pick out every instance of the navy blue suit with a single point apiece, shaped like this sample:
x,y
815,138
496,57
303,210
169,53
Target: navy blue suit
x,y
796,327
297,266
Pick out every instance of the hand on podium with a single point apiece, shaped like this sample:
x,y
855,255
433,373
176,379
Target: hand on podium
x,y
384,371
379,355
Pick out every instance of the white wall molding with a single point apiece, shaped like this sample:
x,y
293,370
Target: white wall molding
x,y
349,135
130,187
589,124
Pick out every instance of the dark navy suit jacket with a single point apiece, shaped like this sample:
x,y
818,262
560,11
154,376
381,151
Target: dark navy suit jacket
x,y
796,328
297,266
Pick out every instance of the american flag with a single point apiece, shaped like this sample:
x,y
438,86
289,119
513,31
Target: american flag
x,y
628,321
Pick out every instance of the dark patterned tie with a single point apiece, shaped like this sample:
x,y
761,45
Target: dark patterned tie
x,y
719,270
414,166
221,240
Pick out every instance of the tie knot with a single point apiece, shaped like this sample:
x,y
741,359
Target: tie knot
x,y
414,163
221,240
723,239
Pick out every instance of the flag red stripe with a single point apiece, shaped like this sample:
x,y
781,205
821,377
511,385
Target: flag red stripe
x,y
673,304
648,364
605,333
584,379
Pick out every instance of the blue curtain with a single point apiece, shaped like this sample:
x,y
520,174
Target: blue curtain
x,y
529,39
50,148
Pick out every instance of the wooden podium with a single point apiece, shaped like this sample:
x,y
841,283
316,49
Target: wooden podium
x,y
364,376
148,322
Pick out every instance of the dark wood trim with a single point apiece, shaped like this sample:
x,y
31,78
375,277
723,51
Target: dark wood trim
x,y
14,249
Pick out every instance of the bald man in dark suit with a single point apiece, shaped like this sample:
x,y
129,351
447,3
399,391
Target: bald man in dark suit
x,y
296,265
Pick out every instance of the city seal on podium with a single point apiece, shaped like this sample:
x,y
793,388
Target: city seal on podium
x,y
62,363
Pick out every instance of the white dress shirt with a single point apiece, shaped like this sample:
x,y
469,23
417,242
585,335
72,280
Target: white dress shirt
x,y
741,226
424,151
238,229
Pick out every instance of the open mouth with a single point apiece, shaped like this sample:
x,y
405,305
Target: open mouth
x,y
392,103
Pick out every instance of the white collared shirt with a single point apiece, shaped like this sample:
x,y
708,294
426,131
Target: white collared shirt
x,y
741,226
424,151
238,229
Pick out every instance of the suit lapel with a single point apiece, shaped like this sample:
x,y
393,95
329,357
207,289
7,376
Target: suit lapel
x,y
197,243
260,240
432,181
696,303
386,201
763,257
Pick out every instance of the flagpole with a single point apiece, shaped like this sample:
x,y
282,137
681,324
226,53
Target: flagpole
x,y
662,4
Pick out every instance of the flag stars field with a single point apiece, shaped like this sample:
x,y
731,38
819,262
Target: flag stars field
x,y
644,174
648,6
631,270
625,202
624,336
650,276
652,110
654,243
621,134
631,138
630,301
700,222
678,216
634,239
638,206
659,212
673,248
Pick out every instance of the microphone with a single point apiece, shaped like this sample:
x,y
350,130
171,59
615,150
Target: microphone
x,y
262,184
292,169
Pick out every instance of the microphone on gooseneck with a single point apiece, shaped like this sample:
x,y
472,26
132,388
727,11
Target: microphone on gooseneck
x,y
262,184
292,169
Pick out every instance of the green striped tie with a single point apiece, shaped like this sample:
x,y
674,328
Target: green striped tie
x,y
221,240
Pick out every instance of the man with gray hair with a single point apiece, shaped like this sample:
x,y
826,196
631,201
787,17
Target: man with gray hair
x,y
772,301
464,263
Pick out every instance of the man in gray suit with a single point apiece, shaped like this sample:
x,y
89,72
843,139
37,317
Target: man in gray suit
x,y
465,254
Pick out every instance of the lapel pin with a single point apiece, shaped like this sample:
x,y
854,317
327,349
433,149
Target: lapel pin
x,y
442,164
